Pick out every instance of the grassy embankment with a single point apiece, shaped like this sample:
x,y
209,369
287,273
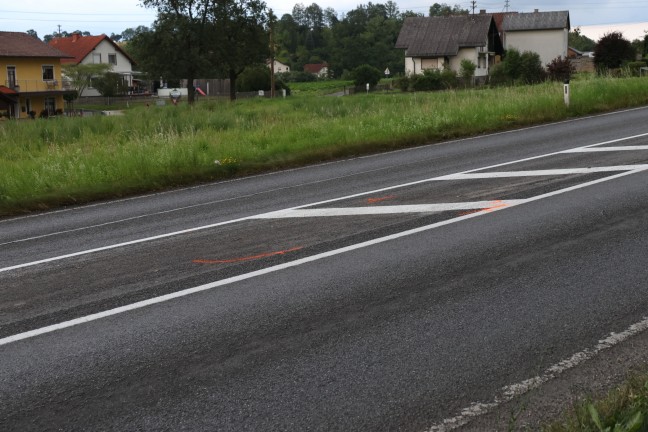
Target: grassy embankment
x,y
46,163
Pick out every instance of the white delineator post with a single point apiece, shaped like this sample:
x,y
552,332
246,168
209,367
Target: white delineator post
x,y
566,92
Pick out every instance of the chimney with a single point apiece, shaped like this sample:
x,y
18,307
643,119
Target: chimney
x,y
536,10
75,36
482,11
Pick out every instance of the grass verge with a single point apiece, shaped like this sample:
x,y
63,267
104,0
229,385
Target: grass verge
x,y
47,163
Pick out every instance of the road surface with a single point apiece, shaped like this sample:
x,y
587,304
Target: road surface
x,y
414,290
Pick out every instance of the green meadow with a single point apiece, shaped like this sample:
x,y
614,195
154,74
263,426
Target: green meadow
x,y
62,161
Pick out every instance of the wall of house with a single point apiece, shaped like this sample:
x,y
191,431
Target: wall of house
x,y
123,65
29,78
471,54
549,44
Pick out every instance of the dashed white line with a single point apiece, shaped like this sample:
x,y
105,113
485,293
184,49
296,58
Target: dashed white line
x,y
508,393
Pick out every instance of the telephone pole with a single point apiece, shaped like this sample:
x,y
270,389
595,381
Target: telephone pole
x,y
507,3
474,5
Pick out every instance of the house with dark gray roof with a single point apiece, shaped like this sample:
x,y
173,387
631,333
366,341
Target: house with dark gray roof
x,y
443,42
545,33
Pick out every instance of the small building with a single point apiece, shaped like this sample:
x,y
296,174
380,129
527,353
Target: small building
x,y
33,76
96,49
321,70
443,42
545,33
279,67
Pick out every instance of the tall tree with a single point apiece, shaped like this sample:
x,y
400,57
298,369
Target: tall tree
x,y
240,39
177,45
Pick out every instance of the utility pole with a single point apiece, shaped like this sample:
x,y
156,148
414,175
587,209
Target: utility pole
x,y
59,32
272,54
474,5
507,3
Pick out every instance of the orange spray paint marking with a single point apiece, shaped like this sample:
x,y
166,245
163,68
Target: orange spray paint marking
x,y
248,258
497,205
376,200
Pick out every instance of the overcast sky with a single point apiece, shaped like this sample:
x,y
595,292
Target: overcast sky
x,y
113,16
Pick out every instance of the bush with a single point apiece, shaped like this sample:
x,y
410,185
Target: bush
x,y
560,69
467,71
298,76
110,84
254,78
403,83
634,68
366,74
531,70
429,81
612,50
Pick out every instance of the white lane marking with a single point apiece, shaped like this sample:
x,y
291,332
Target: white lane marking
x,y
381,210
204,227
607,149
534,173
205,287
508,393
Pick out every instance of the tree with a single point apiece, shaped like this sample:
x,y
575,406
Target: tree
x,y
80,75
366,74
240,37
110,85
579,41
612,50
467,70
32,33
177,44
444,9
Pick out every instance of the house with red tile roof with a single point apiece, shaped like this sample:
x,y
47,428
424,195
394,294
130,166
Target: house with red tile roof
x,y
319,69
96,49
32,76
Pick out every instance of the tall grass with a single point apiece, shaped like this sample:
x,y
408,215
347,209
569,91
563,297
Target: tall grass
x,y
44,163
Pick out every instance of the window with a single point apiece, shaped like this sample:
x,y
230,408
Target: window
x,y
48,73
96,58
430,63
112,59
11,76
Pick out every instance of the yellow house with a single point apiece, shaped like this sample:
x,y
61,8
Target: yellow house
x,y
30,77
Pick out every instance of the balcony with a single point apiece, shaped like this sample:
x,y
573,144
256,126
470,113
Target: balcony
x,y
34,86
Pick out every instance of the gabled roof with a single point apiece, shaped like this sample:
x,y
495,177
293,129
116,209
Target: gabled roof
x,y
314,67
79,47
17,44
536,21
443,36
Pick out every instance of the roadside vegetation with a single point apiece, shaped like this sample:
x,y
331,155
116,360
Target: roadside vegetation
x,y
46,163
625,409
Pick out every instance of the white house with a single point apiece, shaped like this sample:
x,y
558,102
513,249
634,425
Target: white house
x,y
96,49
438,42
279,67
545,33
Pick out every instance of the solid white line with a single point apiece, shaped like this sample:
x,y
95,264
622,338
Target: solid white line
x,y
607,149
188,291
381,210
508,393
175,233
534,173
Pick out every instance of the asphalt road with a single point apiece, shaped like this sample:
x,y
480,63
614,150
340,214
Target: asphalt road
x,y
411,290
